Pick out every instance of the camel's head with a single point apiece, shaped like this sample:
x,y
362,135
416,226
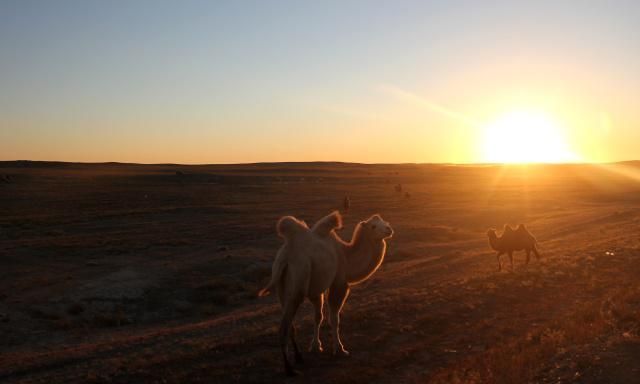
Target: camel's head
x,y
377,227
493,238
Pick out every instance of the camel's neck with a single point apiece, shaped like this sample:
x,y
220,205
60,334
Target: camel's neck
x,y
494,242
364,256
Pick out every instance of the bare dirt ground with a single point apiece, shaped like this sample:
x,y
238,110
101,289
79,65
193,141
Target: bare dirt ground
x,y
148,273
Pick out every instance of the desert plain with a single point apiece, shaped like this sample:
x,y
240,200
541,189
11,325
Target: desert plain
x,y
130,273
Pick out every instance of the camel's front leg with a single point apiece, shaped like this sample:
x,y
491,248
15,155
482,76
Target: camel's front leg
x,y
318,302
528,257
337,297
511,259
499,263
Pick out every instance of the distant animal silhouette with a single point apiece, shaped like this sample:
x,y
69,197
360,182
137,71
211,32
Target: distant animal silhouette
x,y
346,203
314,261
512,240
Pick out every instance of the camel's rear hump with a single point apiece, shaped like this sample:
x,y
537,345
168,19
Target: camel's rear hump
x,y
289,226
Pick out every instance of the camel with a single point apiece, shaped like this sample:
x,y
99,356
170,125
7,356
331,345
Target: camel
x,y
512,240
317,264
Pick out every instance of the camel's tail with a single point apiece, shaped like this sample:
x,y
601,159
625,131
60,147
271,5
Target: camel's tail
x,y
522,229
265,291
327,224
277,271
289,226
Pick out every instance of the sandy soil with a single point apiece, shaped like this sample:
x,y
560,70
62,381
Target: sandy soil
x,y
148,273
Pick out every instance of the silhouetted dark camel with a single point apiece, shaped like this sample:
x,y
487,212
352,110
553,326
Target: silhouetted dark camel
x,y
512,240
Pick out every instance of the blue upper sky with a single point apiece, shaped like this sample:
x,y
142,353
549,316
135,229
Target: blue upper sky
x,y
241,81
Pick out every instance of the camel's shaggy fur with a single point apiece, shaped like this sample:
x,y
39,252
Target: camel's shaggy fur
x,y
316,262
511,240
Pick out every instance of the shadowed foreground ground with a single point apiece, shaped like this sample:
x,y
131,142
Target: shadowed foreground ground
x,y
131,273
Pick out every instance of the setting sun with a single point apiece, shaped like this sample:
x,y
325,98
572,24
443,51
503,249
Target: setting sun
x,y
525,136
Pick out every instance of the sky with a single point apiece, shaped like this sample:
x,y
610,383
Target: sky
x,y
360,81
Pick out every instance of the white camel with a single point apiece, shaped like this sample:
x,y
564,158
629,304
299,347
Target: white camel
x,y
314,261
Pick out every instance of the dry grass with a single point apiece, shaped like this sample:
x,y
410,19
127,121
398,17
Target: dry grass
x,y
165,271
528,358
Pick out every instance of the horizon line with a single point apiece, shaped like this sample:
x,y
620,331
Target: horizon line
x,y
323,162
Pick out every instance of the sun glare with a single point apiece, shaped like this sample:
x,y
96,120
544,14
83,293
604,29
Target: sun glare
x,y
524,136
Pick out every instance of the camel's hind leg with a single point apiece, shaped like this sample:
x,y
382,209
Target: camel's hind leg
x,y
337,297
296,350
528,256
318,302
535,252
290,308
